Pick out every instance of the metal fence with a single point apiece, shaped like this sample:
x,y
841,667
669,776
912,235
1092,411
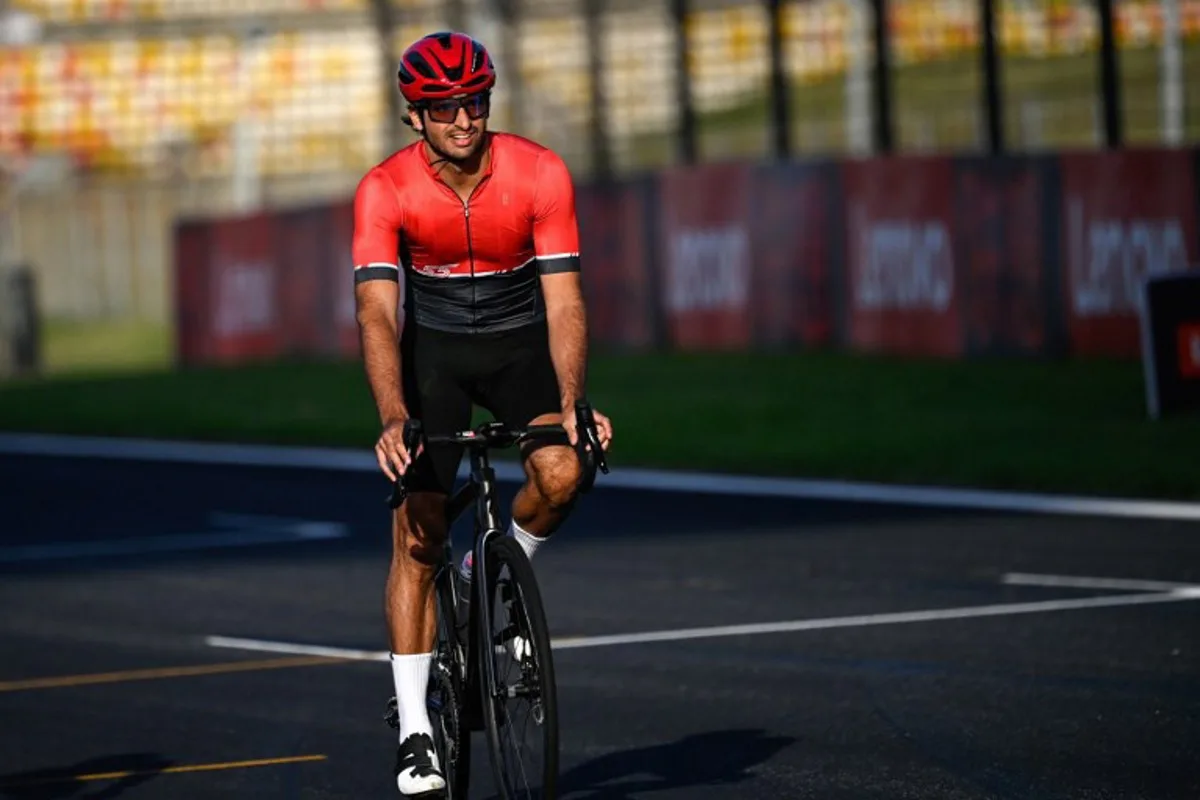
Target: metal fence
x,y
119,116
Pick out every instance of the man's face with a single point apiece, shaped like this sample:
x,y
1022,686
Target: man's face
x,y
455,127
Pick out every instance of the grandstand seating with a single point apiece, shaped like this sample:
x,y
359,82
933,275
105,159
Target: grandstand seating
x,y
312,97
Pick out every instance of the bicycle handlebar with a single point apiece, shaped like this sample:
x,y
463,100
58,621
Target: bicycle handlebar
x,y
496,434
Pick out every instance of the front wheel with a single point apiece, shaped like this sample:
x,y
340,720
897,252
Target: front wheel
x,y
520,706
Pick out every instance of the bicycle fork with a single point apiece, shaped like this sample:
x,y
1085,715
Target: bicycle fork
x,y
488,524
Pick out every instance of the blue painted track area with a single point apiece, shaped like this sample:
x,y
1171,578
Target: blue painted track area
x,y
893,652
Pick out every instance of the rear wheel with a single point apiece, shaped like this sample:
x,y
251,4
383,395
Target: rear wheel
x,y
520,707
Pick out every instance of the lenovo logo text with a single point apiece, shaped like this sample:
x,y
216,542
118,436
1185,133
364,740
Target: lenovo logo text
x,y
904,265
708,268
245,299
1111,257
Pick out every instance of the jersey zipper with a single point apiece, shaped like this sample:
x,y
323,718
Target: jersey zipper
x,y
471,258
466,204
471,255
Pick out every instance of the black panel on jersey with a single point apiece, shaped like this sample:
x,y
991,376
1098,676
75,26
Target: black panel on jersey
x,y
495,302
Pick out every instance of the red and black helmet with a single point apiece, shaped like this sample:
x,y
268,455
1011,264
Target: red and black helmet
x,y
443,65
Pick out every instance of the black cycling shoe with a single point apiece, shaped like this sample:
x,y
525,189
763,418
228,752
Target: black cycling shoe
x,y
417,776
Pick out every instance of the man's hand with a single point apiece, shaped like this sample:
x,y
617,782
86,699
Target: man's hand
x,y
394,458
603,427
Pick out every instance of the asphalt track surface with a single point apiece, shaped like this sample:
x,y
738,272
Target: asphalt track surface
x,y
110,687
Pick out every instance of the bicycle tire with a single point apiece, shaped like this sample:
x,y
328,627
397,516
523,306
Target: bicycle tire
x,y
505,554
447,674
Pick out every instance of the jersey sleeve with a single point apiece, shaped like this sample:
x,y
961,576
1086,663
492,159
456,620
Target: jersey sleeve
x,y
377,222
555,229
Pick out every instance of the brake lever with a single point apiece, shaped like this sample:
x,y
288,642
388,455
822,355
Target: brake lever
x,y
588,444
412,440
598,449
584,409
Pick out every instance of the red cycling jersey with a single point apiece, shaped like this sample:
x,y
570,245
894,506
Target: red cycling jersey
x,y
470,266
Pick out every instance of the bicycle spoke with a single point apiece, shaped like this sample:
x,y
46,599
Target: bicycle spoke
x,y
520,762
518,746
518,692
523,723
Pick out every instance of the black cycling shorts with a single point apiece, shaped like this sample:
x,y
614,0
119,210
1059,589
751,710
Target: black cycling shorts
x,y
509,373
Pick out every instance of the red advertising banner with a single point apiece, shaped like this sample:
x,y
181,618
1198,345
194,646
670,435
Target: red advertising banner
x,y
790,219
704,250
902,293
337,280
1188,336
300,236
228,292
616,280
246,301
1125,215
1001,208
191,259
939,257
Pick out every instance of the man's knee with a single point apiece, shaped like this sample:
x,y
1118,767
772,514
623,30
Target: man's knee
x,y
556,472
420,532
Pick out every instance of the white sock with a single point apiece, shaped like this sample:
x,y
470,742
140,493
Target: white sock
x,y
529,543
410,673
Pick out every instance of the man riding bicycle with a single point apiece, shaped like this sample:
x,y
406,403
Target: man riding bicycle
x,y
483,226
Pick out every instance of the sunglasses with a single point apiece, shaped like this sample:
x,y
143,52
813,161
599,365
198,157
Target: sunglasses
x,y
444,111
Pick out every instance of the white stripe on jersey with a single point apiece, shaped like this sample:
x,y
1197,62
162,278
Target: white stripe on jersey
x,y
476,274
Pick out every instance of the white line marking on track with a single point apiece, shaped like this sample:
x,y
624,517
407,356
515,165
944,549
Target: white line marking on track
x,y
860,621
856,621
261,646
234,530
252,455
1083,582
620,478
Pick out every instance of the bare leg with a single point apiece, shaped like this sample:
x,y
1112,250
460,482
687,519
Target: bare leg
x,y
552,476
418,534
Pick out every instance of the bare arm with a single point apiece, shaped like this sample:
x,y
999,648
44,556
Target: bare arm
x,y
377,223
378,334
566,318
556,239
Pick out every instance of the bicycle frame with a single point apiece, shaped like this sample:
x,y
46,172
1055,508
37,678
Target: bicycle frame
x,y
480,491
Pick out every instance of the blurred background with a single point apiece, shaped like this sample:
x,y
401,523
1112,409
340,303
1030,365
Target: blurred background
x,y
119,117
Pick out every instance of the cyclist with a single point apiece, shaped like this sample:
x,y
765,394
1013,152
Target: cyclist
x,y
479,228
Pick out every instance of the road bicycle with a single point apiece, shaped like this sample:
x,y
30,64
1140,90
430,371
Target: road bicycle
x,y
499,652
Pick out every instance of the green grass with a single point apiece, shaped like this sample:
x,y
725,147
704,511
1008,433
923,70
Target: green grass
x,y
70,347
1037,426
